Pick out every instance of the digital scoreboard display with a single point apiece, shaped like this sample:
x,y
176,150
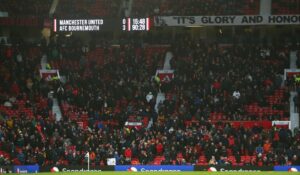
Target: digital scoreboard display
x,y
78,25
136,24
101,24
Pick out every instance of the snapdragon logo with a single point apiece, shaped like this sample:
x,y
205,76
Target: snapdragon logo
x,y
238,170
134,169
159,170
154,168
79,170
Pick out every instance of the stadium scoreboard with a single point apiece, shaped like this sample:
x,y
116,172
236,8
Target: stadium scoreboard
x,y
135,24
101,24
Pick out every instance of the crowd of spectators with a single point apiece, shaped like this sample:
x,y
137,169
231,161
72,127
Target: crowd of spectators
x,y
282,7
88,8
117,82
220,79
24,102
28,8
108,8
217,84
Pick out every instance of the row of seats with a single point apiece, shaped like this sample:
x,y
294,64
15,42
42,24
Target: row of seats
x,y
194,7
82,8
202,161
106,8
29,8
285,7
102,56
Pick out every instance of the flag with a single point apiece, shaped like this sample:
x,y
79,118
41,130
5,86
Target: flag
x,y
165,76
49,75
87,155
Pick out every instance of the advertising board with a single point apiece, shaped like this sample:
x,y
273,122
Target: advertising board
x,y
154,168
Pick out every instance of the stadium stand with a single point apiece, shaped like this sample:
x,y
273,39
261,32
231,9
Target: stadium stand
x,y
197,7
28,8
218,108
280,7
24,103
194,123
91,8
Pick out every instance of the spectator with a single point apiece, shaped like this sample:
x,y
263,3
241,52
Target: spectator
x,y
295,160
128,154
212,161
149,97
236,94
159,148
266,147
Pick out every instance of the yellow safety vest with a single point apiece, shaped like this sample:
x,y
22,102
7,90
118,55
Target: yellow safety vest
x,y
55,78
48,67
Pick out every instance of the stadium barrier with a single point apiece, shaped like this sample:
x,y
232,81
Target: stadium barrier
x,y
234,168
153,168
286,168
144,168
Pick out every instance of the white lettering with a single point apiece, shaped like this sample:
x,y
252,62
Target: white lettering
x,y
83,28
227,20
79,170
160,170
73,22
239,170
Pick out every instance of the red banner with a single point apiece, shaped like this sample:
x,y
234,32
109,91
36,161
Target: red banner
x,y
165,76
49,74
